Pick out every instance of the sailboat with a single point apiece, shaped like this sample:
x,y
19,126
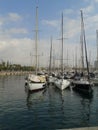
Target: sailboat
x,y
60,82
36,82
84,85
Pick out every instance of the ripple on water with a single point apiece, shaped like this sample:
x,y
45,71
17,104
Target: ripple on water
x,y
49,109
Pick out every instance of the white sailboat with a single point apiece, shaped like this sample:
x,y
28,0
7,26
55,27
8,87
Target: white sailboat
x,y
36,82
60,82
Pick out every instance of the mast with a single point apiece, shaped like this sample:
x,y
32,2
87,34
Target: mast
x,y
53,60
76,59
62,46
81,42
50,56
67,59
84,39
36,40
97,43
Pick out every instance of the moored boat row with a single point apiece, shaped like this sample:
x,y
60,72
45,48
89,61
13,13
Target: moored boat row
x,y
82,84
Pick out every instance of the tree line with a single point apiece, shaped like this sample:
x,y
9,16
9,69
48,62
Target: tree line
x,y
7,66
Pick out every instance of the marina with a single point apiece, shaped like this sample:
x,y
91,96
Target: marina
x,y
46,109
48,84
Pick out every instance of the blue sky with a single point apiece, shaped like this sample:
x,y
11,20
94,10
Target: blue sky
x,y
17,25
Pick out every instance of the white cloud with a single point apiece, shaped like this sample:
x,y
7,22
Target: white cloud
x,y
72,27
88,9
1,23
12,32
3,45
2,20
8,18
14,17
68,11
96,1
17,31
16,50
52,23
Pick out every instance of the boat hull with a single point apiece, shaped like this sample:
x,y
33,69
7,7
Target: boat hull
x,y
35,82
36,86
62,83
83,87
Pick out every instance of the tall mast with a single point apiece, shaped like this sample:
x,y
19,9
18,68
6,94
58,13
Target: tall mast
x,y
62,46
81,42
97,43
50,57
84,39
76,59
36,40
67,58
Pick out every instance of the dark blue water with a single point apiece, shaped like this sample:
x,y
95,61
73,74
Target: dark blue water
x,y
47,109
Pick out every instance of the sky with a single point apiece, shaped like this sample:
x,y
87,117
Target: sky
x,y
17,30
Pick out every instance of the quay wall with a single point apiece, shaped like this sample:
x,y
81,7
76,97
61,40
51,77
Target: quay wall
x,y
10,73
85,128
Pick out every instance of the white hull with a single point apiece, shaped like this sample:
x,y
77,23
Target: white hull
x,y
62,83
35,86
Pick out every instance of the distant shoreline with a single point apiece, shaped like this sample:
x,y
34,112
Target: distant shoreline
x,y
9,73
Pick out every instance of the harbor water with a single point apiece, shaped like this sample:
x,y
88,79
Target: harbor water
x,y
47,109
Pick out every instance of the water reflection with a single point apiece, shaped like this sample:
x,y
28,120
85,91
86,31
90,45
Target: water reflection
x,y
58,98
60,106
50,108
85,96
2,82
34,97
86,101
86,106
56,106
61,95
